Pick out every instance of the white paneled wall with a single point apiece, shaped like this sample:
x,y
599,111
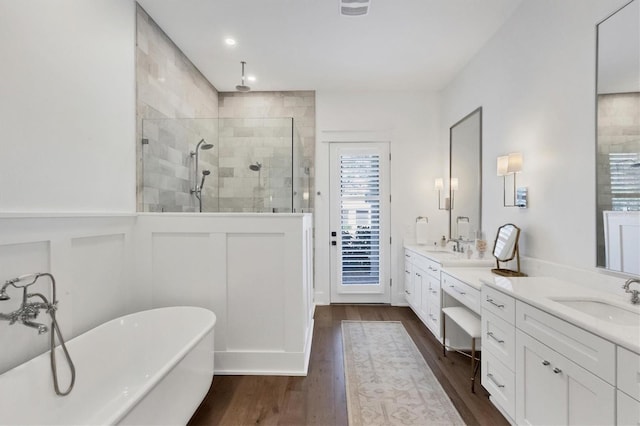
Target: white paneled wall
x,y
253,271
90,257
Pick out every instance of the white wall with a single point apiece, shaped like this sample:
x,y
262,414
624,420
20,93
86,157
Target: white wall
x,y
535,80
67,102
411,121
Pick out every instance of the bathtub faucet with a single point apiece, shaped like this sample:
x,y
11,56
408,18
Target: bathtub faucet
x,y
28,311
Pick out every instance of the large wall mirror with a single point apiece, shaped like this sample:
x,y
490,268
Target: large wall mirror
x,y
465,176
618,141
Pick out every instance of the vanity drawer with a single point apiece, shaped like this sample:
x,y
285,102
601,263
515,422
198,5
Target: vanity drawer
x,y
429,266
629,372
585,349
500,382
499,304
499,337
408,256
462,292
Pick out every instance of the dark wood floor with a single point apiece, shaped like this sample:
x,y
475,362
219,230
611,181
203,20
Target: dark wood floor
x,y
319,398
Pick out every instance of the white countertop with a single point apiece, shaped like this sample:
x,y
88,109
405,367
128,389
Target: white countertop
x,y
449,258
539,292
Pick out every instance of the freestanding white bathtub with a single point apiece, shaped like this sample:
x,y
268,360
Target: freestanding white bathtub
x,y
151,367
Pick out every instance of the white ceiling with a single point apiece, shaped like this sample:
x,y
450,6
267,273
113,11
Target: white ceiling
x,y
307,45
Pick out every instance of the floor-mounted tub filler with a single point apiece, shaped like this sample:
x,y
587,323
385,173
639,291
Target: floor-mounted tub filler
x,y
151,367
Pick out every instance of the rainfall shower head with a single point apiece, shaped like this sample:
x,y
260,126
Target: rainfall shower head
x,y
242,87
203,145
255,167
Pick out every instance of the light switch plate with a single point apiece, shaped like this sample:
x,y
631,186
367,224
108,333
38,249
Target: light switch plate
x,y
522,197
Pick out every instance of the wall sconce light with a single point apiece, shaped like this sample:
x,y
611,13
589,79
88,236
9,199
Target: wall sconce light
x,y
439,186
510,165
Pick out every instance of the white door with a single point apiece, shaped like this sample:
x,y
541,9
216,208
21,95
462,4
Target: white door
x,y
360,236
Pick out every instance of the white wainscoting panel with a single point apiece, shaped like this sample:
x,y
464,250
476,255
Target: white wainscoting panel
x,y
100,286
181,269
249,269
256,279
253,271
90,258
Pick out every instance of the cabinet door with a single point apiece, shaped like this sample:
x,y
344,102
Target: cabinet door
x,y
628,410
416,296
552,390
540,398
422,281
434,316
433,308
408,281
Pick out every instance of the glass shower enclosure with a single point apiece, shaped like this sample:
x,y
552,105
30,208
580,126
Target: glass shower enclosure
x,y
254,165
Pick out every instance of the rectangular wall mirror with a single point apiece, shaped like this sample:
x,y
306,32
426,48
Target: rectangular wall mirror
x,y
465,176
618,141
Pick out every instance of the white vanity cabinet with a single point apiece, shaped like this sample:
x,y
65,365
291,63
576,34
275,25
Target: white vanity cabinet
x,y
422,289
542,370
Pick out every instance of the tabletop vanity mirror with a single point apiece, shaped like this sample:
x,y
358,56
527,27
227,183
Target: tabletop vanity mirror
x,y
465,176
618,141
506,249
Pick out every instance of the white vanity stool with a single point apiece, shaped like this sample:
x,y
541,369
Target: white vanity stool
x,y
469,322
461,305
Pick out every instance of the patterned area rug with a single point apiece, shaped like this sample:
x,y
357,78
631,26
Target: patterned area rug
x,y
388,381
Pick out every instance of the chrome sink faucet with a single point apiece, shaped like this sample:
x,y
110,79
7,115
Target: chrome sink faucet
x,y
459,248
635,294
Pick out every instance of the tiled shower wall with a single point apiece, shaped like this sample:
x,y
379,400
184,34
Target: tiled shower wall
x,y
173,100
297,104
618,132
255,165
170,86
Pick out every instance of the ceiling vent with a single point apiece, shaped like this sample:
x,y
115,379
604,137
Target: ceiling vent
x,y
354,7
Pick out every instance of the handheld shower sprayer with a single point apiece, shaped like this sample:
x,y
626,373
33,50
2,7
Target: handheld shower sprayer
x,y
197,190
14,281
205,173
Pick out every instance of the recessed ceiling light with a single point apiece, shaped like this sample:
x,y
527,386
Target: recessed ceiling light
x,y
229,41
251,77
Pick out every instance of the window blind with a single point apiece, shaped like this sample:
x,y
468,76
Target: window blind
x,y
360,219
625,181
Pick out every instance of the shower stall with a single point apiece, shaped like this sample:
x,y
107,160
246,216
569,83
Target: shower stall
x,y
224,165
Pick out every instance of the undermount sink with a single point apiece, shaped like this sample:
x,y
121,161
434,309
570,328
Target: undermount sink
x,y
603,310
